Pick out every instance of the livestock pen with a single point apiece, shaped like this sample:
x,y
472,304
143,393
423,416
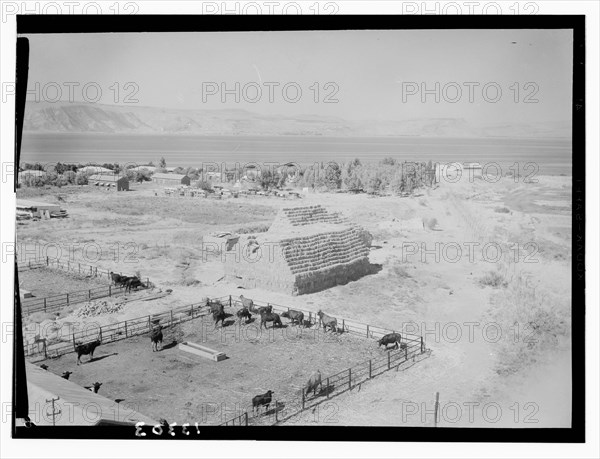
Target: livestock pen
x,y
101,279
179,388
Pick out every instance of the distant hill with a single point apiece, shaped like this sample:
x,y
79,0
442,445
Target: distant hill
x,y
96,118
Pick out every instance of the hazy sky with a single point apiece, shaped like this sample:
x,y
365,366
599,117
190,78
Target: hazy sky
x,y
368,69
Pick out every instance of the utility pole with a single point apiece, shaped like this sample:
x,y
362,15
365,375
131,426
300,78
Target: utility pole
x,y
54,411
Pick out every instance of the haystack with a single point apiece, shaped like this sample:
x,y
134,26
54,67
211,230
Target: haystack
x,y
306,250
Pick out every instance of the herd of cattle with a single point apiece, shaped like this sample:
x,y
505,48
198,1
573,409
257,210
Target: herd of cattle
x,y
128,282
217,309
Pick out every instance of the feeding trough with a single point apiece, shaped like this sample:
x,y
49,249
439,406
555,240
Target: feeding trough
x,y
202,351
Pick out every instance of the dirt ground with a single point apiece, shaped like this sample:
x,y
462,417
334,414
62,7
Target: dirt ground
x,y
478,313
44,282
179,386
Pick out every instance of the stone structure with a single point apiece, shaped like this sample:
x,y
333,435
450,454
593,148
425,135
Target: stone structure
x,y
306,250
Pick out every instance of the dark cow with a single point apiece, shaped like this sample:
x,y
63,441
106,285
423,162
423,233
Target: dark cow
x,y
156,337
244,313
43,366
259,400
219,316
66,374
87,349
116,278
267,309
215,306
270,317
124,279
94,387
296,317
313,383
390,338
327,321
133,282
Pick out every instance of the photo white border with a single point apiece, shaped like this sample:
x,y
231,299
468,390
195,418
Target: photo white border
x,y
108,448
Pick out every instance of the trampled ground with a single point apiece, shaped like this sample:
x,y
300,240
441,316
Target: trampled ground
x,y
182,387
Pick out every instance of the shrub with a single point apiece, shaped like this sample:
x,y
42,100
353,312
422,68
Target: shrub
x,y
430,223
502,210
534,326
493,279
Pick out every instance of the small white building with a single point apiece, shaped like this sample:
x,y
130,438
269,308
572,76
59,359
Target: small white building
x,y
37,209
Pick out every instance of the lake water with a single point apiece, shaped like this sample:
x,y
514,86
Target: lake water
x,y
552,155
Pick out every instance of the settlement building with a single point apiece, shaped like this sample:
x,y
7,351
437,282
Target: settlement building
x,y
171,179
120,183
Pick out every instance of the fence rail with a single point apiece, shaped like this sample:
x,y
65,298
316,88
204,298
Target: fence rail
x,y
115,332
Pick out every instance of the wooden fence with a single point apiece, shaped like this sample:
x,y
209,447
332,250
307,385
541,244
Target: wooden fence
x,y
338,383
113,332
57,302
74,267
332,385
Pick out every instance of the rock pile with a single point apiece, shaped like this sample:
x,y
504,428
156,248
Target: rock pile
x,y
97,308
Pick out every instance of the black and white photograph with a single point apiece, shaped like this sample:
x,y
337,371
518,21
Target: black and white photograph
x,y
298,226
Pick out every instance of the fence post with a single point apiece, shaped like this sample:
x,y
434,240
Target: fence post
x,y
47,261
370,374
229,300
89,293
44,304
437,404
100,334
110,290
367,330
327,388
389,360
79,264
171,317
74,346
406,353
303,399
149,324
350,378
276,411
192,311
343,325
67,298
246,417
422,345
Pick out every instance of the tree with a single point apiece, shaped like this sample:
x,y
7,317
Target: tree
x,y
333,176
81,179
162,163
203,185
70,177
267,180
389,161
374,184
